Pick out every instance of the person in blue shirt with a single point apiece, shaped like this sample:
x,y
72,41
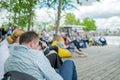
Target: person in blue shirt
x,y
103,40
28,59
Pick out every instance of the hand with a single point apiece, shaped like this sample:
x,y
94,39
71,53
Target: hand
x,y
39,48
44,44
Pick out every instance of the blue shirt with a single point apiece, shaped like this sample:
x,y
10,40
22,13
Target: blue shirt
x,y
33,62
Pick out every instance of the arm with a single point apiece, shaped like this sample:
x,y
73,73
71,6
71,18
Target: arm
x,y
47,70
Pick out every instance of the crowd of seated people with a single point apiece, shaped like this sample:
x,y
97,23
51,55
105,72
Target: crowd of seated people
x,y
71,46
98,41
51,53
80,41
25,50
67,47
103,40
59,41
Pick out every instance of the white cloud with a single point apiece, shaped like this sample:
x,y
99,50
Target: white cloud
x,y
106,13
44,15
108,23
103,9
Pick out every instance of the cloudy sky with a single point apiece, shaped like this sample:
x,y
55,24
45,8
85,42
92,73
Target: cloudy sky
x,y
106,13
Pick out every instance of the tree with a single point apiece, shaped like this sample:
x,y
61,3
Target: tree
x,y
60,5
77,22
58,18
20,11
70,19
89,24
23,8
57,5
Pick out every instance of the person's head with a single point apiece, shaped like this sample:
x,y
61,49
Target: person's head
x,y
14,38
58,38
63,34
47,36
30,39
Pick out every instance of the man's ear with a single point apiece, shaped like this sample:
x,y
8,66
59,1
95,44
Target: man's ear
x,y
31,44
0,39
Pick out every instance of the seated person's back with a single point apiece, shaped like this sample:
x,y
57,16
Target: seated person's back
x,y
25,58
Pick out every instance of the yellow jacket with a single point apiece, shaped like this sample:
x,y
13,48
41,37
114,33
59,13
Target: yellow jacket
x,y
63,53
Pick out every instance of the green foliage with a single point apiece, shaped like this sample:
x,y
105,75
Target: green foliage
x,y
98,0
19,10
77,22
51,27
66,4
80,1
89,23
69,19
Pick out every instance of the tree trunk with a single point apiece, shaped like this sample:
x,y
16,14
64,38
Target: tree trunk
x,y
58,19
30,15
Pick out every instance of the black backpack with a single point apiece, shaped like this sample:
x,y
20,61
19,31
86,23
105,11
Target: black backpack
x,y
15,75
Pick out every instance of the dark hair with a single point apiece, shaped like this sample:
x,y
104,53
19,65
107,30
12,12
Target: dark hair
x,y
27,37
0,35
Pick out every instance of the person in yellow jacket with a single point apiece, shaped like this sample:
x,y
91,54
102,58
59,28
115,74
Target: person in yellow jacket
x,y
62,48
62,51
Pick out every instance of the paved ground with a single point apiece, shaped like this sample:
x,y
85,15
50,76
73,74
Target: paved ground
x,y
102,63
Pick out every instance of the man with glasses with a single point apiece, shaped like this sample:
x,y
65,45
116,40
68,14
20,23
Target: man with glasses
x,y
28,59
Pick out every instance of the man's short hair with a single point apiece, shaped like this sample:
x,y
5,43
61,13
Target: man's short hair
x,y
0,35
27,37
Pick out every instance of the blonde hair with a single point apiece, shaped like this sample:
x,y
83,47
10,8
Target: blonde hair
x,y
57,38
16,33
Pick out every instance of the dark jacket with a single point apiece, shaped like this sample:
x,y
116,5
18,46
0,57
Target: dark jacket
x,y
15,75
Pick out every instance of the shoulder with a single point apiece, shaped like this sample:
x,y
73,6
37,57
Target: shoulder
x,y
37,56
36,53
